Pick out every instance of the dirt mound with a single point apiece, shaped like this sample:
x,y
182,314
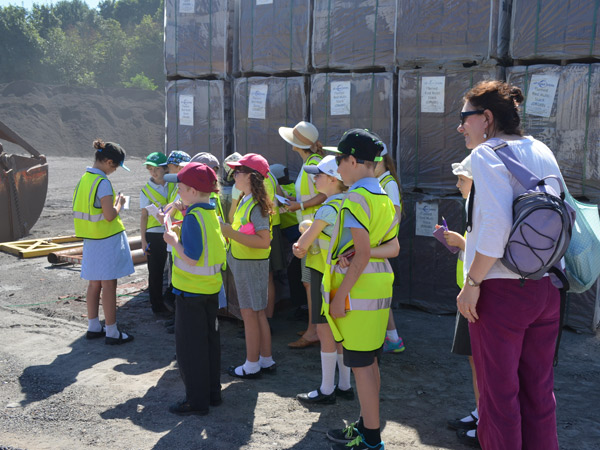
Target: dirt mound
x,y
64,120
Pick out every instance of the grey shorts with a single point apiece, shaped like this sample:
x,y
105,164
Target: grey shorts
x,y
305,271
461,345
316,299
277,256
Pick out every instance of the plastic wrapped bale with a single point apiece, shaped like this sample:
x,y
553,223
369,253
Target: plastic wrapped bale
x,y
583,310
434,31
353,35
274,36
562,109
555,29
260,106
339,102
197,117
425,271
429,105
198,35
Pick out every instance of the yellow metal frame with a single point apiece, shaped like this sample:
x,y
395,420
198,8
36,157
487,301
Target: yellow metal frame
x,y
40,247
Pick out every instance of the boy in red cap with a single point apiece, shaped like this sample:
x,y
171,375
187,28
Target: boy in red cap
x,y
198,258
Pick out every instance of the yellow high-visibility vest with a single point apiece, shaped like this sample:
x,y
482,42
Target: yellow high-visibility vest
x,y
363,328
158,200
308,189
240,218
89,221
205,277
317,262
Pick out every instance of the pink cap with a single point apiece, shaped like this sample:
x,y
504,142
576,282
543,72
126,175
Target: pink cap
x,y
254,161
197,175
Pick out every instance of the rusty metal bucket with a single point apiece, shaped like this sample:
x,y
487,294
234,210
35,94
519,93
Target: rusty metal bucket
x,y
23,187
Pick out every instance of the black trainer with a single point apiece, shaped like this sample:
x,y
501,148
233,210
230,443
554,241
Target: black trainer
x,y
343,435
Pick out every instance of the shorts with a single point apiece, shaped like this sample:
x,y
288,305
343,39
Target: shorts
x,y
277,257
353,358
316,299
461,345
305,271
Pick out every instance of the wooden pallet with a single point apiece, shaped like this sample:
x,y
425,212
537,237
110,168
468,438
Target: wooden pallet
x,y
40,247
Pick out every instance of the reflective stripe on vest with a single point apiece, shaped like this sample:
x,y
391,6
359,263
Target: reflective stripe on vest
x,y
317,262
88,220
157,200
363,328
177,215
307,189
204,277
287,218
271,188
240,218
218,207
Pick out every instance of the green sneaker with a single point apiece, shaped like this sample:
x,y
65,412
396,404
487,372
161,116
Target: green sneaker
x,y
357,444
344,435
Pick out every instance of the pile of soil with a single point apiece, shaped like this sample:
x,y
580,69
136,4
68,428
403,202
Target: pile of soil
x,y
65,120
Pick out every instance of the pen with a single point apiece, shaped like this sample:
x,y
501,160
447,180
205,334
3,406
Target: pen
x,y
445,224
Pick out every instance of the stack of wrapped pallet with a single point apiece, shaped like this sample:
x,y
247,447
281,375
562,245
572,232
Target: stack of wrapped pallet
x,y
198,65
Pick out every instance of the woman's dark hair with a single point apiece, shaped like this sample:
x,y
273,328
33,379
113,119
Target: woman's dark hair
x,y
109,150
390,166
502,100
257,187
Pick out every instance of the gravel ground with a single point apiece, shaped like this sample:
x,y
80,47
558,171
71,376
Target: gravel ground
x,y
60,391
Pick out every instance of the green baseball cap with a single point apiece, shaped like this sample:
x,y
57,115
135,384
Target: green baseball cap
x,y
156,159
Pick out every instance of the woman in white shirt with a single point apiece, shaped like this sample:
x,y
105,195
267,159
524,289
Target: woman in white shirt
x,y
513,325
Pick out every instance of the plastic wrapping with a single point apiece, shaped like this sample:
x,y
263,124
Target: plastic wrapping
x,y
583,310
555,29
353,34
434,31
425,271
274,36
284,103
572,130
197,112
198,34
340,101
428,142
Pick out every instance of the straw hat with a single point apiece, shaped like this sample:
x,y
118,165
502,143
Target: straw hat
x,y
303,135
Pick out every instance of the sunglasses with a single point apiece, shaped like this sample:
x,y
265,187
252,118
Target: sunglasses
x,y
242,170
465,114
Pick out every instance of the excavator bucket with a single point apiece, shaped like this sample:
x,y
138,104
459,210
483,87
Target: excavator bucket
x,y
23,187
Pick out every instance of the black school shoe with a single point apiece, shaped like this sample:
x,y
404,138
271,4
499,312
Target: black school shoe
x,y
321,398
271,370
231,372
465,439
95,334
348,394
118,341
459,424
183,408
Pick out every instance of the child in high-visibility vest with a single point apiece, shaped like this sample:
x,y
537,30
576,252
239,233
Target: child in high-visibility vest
x,y
304,139
156,192
385,171
248,258
356,299
198,259
106,255
461,345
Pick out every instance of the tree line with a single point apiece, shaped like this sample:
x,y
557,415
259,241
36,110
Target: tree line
x,y
118,44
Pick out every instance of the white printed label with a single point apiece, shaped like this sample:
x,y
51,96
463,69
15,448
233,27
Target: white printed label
x,y
432,94
540,97
186,110
426,218
187,6
264,2
257,103
340,98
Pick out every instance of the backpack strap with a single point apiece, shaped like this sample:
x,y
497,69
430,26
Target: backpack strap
x,y
563,307
523,175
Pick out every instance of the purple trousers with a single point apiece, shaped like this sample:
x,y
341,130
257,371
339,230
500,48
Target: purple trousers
x,y
513,349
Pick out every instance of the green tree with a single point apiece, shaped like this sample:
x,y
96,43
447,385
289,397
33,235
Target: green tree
x,y
66,58
145,52
20,45
73,13
43,19
109,51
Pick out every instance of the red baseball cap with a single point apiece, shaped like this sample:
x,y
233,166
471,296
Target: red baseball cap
x,y
254,161
197,175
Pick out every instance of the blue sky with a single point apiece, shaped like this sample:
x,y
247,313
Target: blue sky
x,y
28,3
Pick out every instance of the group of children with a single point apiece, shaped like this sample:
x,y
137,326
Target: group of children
x,y
351,231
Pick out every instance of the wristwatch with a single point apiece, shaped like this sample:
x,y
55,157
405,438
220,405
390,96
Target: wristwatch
x,y
471,281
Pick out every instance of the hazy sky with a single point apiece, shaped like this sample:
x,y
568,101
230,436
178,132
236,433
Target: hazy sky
x,y
28,3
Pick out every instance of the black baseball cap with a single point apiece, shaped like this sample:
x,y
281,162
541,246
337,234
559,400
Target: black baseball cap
x,y
360,143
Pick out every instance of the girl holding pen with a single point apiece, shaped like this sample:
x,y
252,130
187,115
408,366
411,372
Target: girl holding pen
x,y
106,255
